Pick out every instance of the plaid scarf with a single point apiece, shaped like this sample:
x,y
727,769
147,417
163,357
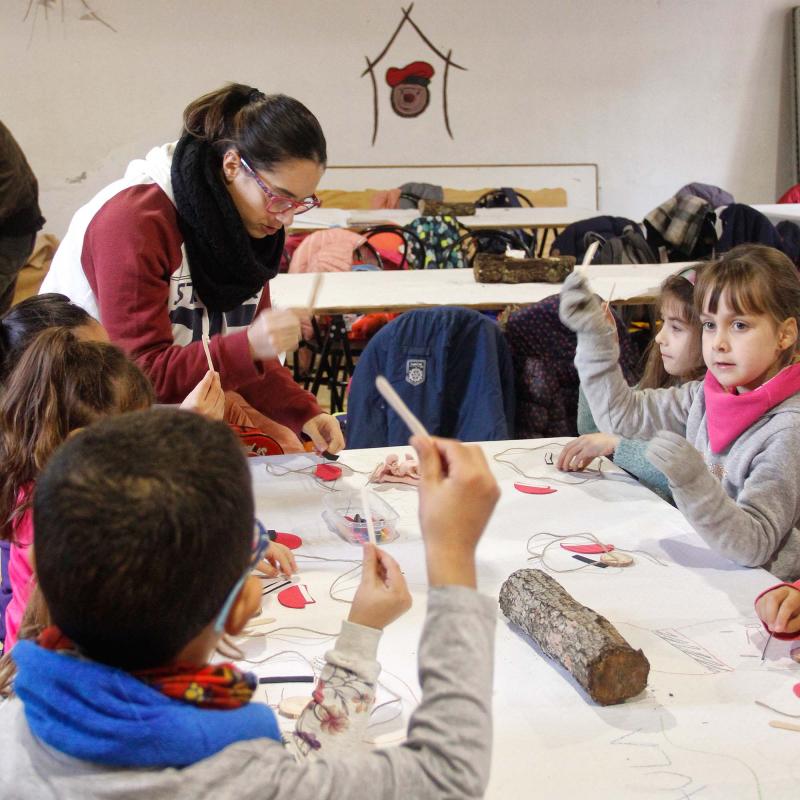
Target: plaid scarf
x,y
680,221
220,686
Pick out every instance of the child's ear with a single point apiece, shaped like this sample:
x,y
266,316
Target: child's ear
x,y
787,333
244,607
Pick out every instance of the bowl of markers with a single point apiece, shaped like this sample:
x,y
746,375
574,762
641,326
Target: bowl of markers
x,y
345,515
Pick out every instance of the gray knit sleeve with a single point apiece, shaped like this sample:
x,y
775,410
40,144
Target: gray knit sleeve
x,y
616,407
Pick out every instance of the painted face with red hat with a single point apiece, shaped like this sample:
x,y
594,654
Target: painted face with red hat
x,y
410,95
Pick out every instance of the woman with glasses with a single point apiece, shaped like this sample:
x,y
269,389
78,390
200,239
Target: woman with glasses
x,y
184,245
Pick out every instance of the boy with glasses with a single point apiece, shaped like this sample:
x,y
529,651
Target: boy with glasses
x,y
145,542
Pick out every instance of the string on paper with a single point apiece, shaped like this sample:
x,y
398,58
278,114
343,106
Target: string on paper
x,y
503,458
552,539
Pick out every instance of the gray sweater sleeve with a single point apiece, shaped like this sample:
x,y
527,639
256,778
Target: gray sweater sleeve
x,y
752,529
616,407
447,752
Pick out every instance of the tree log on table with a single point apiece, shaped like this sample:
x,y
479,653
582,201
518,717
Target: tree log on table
x,y
498,268
586,644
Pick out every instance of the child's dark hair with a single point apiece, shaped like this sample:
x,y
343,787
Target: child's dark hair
x,y
754,279
677,290
23,321
265,129
60,383
144,523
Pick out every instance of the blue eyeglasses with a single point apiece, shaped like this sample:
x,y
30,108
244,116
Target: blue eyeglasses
x,y
260,544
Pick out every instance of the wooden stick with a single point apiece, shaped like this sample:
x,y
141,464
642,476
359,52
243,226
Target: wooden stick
x,y
610,296
368,515
312,298
403,411
589,254
208,353
784,726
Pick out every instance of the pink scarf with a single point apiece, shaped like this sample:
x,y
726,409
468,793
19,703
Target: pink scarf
x,y
729,414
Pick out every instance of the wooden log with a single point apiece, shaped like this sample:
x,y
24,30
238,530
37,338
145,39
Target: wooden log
x,y
586,644
498,268
437,208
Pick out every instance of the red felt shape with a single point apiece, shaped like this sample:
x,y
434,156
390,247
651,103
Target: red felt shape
x,y
290,540
528,489
588,549
328,472
796,689
293,598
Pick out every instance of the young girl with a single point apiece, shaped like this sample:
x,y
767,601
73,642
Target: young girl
x,y
673,357
729,444
60,384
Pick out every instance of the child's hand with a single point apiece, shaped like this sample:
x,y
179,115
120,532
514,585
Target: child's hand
x,y
280,560
207,398
676,458
779,609
457,495
580,452
382,595
579,309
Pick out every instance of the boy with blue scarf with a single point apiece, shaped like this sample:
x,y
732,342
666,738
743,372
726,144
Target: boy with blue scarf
x,y
144,547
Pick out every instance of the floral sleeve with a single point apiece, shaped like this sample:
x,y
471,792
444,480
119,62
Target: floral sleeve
x,y
338,714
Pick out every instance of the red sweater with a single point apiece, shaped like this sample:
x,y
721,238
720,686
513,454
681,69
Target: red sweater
x,y
131,257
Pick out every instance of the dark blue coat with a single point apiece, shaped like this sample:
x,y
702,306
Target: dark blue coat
x,y
450,365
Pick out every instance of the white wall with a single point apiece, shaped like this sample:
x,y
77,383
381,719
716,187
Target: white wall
x,y
657,92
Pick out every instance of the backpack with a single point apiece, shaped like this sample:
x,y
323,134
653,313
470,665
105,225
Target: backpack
x,y
440,237
505,197
628,248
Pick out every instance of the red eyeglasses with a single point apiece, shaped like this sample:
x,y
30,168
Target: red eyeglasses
x,y
279,203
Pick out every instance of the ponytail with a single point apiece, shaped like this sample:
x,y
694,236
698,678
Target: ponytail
x,y
59,384
266,129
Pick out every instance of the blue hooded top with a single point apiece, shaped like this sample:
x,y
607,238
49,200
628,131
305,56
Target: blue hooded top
x,y
99,713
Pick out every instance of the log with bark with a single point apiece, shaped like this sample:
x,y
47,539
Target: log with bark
x,y
438,208
586,644
496,268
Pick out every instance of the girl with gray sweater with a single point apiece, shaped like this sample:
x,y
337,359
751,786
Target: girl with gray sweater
x,y
674,357
729,444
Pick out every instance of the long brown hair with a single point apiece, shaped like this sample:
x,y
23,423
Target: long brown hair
x,y
754,280
59,384
679,291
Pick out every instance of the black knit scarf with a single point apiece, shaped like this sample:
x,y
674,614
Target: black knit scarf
x,y
227,266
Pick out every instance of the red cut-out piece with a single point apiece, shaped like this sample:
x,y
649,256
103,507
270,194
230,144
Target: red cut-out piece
x,y
796,689
293,597
526,488
290,540
588,549
328,472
